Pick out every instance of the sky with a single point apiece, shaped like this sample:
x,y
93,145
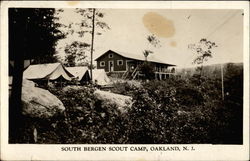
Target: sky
x,y
175,28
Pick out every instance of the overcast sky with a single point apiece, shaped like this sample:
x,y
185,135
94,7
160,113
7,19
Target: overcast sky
x,y
176,29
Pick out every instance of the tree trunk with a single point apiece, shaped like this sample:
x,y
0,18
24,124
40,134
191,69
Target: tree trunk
x,y
92,45
15,104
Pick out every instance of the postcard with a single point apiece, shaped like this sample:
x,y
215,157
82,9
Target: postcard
x,y
89,80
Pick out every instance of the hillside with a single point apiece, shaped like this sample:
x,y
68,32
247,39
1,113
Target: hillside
x,y
212,71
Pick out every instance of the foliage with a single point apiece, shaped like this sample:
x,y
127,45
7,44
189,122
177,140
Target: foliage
x,y
86,23
203,49
85,120
194,114
147,70
150,115
75,52
125,88
152,39
146,53
34,33
174,111
83,29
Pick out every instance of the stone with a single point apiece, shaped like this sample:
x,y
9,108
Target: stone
x,y
122,102
39,103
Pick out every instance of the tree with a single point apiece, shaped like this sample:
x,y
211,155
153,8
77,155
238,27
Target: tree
x,y
32,35
92,20
203,49
75,52
86,29
146,54
152,40
38,35
146,68
90,25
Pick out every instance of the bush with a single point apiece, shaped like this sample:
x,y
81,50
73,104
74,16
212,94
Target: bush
x,y
147,70
86,120
125,88
151,113
174,111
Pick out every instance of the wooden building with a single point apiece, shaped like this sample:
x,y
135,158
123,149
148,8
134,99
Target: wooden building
x,y
127,64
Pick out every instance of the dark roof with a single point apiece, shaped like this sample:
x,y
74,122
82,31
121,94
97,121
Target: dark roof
x,y
151,57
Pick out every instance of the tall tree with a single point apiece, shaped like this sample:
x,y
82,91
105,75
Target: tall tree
x,y
152,40
32,35
36,36
146,68
84,32
91,23
203,50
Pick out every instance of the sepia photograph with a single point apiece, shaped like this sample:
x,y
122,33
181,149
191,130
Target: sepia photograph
x,y
125,76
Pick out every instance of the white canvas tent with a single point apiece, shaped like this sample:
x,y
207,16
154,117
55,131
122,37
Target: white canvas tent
x,y
100,77
47,72
80,73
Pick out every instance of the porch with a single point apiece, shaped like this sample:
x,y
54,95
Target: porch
x,y
161,71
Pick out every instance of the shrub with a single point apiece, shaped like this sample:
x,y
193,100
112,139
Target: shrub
x,y
174,111
147,70
151,113
87,119
125,88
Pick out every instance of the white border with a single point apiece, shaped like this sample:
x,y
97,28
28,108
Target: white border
x,y
53,152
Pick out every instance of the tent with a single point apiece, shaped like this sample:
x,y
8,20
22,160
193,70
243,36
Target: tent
x,y
100,77
52,71
80,73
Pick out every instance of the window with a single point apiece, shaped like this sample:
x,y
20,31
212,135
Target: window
x,y
119,62
102,63
110,55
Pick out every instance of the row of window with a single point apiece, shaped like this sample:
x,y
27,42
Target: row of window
x,y
119,63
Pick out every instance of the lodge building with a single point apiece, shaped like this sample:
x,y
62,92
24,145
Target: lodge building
x,y
127,64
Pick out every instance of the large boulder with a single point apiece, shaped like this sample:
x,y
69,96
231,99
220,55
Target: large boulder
x,y
122,102
38,102
28,83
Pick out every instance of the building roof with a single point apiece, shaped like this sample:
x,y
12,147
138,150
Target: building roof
x,y
78,72
150,58
50,71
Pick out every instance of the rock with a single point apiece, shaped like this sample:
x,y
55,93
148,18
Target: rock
x,y
72,87
28,83
121,101
40,103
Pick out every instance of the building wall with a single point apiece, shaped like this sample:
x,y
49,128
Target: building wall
x,y
118,68
105,58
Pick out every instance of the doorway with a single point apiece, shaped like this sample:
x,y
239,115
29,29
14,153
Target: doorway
x,y
111,66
